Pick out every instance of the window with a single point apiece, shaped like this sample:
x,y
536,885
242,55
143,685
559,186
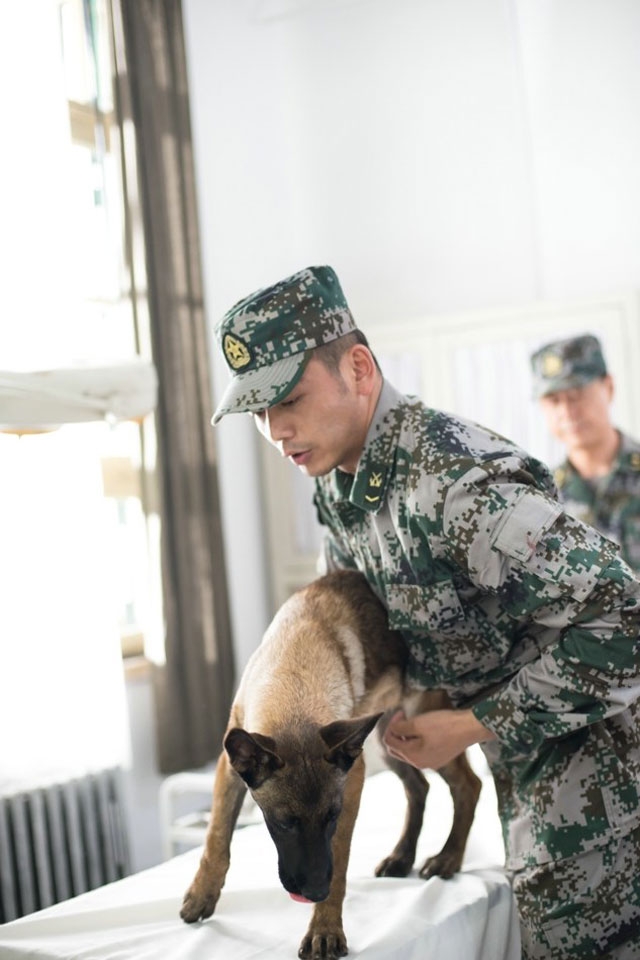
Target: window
x,y
76,297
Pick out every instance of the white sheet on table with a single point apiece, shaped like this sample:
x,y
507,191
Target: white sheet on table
x,y
471,916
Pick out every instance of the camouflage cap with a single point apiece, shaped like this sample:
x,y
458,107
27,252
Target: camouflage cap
x,y
567,363
266,338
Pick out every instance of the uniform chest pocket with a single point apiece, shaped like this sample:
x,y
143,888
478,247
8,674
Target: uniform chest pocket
x,y
445,641
416,609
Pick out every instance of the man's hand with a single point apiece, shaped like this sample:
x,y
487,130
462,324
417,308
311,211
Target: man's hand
x,y
433,739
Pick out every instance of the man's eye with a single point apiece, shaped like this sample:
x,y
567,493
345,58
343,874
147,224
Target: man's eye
x,y
289,402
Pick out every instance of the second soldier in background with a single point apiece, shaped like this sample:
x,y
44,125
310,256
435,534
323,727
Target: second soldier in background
x,y
599,482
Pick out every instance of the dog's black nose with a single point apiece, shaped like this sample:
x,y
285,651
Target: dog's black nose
x,y
315,894
310,881
313,888
301,888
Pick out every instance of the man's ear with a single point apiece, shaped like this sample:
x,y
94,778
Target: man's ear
x,y
252,755
363,369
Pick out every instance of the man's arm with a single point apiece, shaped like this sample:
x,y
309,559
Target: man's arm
x,y
549,569
333,557
334,553
433,739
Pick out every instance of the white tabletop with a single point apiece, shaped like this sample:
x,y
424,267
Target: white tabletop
x,y
471,916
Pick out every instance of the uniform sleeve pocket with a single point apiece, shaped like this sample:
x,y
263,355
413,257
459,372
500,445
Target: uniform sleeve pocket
x,y
567,556
524,525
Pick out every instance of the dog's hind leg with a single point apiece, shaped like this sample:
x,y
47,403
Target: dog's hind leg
x,y
400,860
228,793
465,789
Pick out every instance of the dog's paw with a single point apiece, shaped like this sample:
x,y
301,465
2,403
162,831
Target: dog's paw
x,y
443,865
323,946
196,906
393,866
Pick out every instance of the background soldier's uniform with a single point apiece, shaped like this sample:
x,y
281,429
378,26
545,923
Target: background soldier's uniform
x,y
611,503
516,609
522,612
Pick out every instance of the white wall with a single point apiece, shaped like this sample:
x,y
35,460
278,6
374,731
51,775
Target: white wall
x,y
442,155
582,76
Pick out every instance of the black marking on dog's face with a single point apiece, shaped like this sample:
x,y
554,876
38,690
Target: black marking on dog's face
x,y
298,781
303,839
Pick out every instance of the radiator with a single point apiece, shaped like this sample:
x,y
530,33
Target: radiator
x,y
59,840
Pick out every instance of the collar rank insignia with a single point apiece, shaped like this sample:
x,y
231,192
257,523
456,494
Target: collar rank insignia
x,y
635,460
560,475
375,482
235,351
551,365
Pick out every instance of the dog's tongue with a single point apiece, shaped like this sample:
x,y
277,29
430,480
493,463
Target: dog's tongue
x,y
299,898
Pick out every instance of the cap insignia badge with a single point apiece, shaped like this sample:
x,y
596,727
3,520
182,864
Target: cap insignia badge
x,y
560,476
236,352
551,365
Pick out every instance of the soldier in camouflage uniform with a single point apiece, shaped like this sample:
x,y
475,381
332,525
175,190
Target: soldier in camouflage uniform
x,y
599,482
528,618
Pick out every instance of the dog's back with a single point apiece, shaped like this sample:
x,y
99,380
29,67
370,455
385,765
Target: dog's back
x,y
327,654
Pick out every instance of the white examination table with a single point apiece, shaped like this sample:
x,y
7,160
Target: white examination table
x,y
471,917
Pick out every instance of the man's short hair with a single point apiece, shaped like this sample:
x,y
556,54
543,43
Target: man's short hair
x,y
330,354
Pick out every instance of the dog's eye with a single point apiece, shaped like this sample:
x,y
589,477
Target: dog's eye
x,y
287,823
331,815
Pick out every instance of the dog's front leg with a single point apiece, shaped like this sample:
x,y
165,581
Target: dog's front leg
x,y
325,939
228,793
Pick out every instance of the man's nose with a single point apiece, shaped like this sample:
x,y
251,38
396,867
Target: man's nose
x,y
571,406
277,425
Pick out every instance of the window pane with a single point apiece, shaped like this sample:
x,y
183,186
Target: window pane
x,y
68,293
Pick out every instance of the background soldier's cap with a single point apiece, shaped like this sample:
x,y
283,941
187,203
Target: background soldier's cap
x,y
266,338
564,364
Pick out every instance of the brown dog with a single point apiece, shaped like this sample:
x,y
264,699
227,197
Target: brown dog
x,y
327,668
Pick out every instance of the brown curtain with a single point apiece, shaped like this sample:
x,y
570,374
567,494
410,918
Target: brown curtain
x,y
194,689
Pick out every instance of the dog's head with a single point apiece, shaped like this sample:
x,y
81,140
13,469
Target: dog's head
x,y
298,781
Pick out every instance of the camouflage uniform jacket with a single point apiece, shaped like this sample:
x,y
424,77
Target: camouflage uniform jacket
x,y
611,505
513,607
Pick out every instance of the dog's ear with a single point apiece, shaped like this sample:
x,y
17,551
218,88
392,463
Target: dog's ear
x,y
252,755
345,739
